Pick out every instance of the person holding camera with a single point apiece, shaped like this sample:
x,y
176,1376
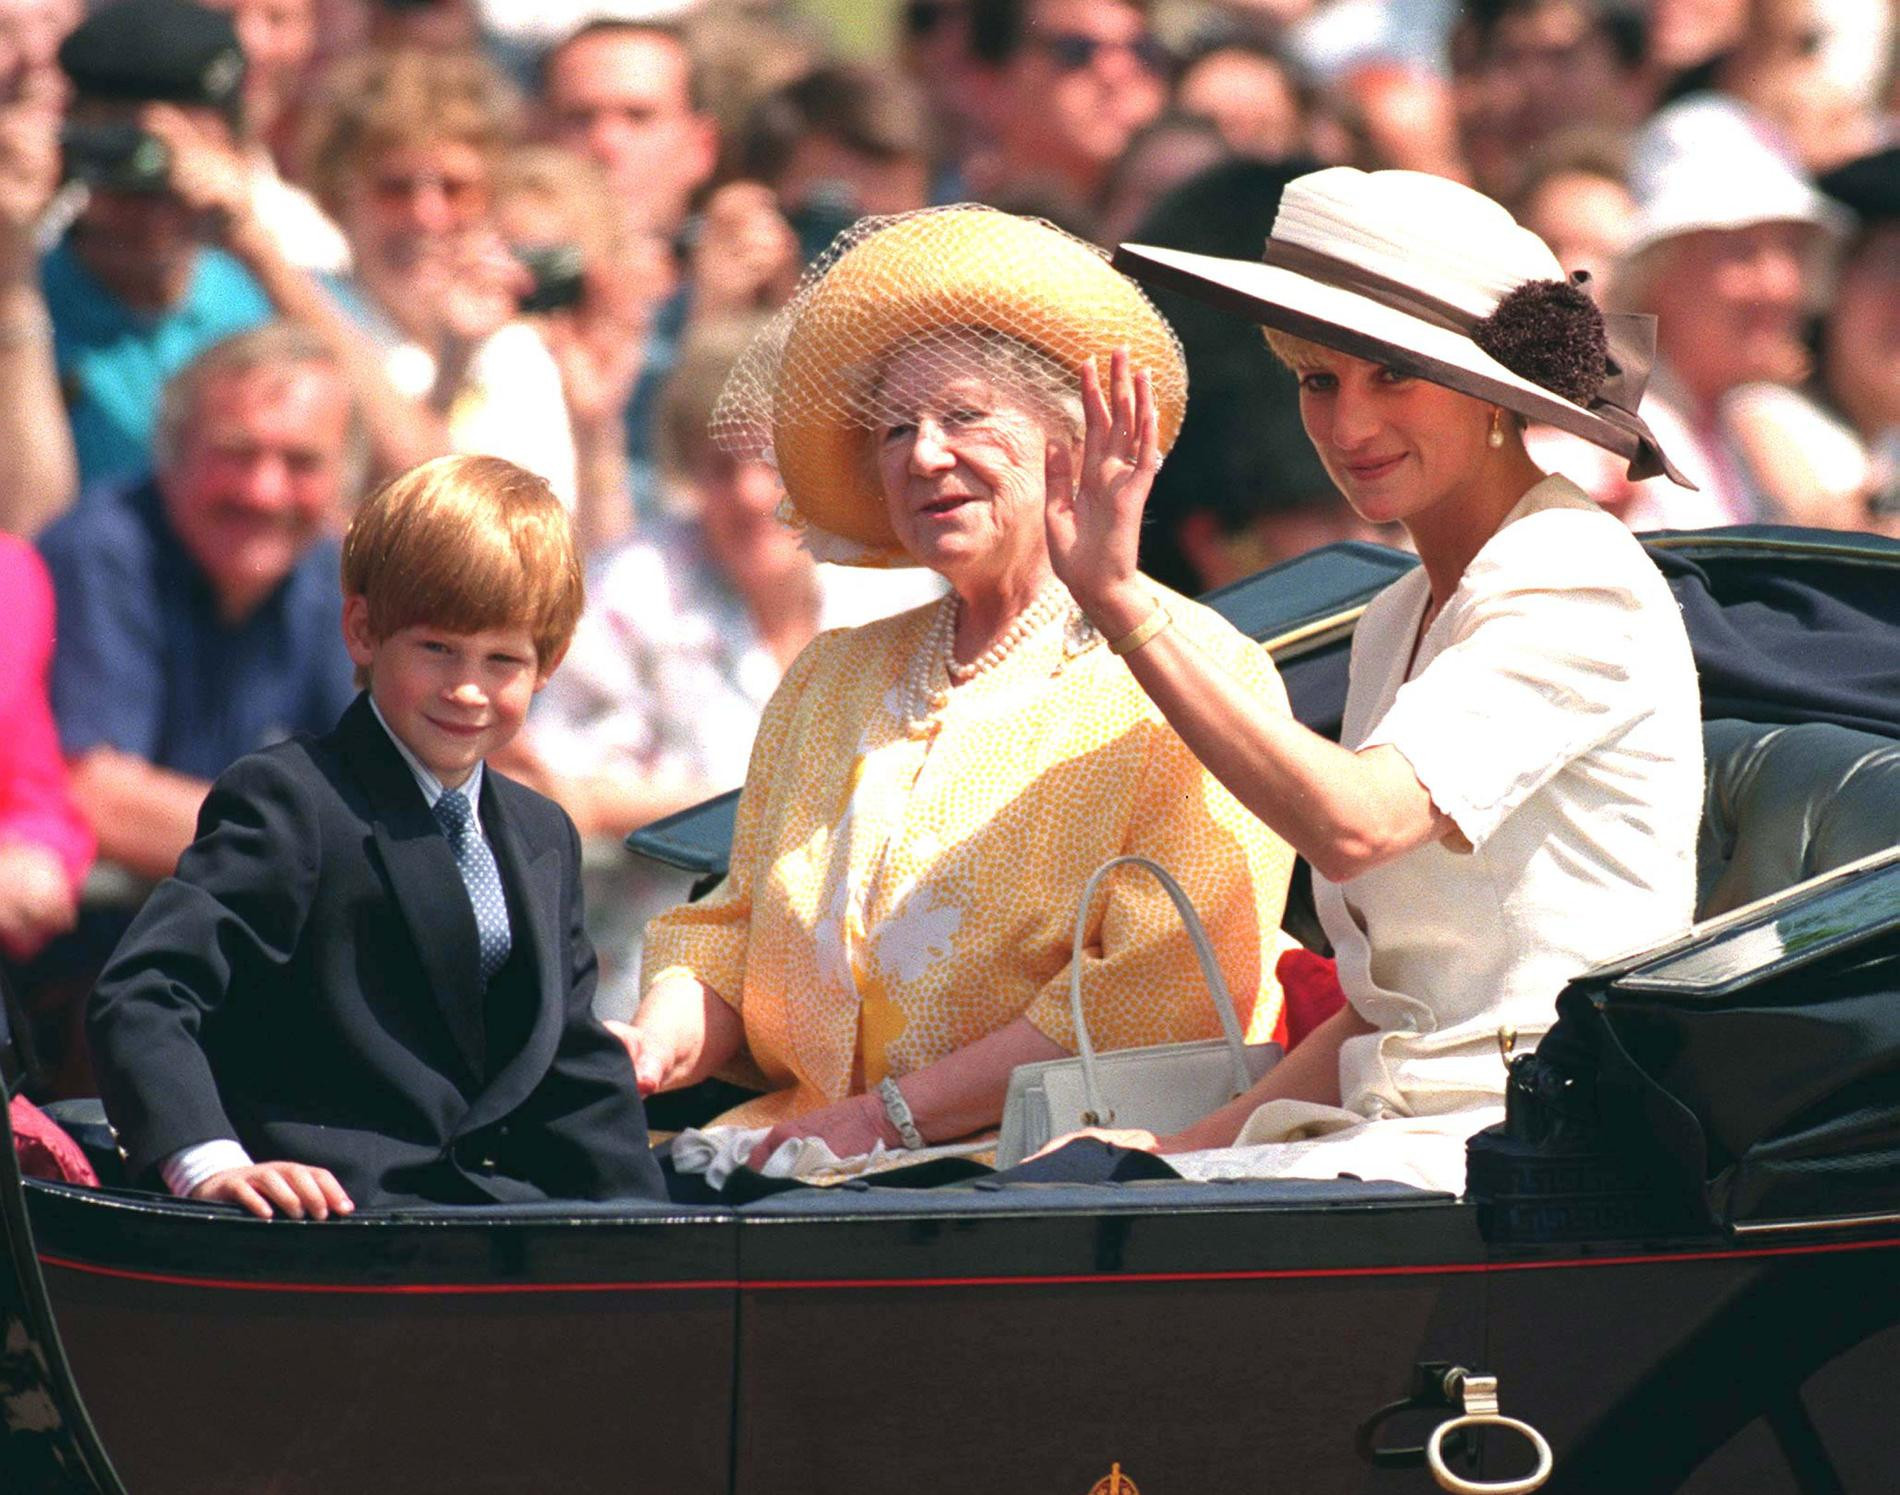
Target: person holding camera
x,y
135,287
403,151
169,250
593,291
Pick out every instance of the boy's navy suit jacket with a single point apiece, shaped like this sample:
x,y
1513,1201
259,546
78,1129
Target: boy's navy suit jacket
x,y
307,983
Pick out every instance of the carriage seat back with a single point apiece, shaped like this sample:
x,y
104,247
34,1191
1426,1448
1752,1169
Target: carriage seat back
x,y
1786,803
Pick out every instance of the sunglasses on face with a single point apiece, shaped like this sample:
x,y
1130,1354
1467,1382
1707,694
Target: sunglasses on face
x,y
1071,51
398,187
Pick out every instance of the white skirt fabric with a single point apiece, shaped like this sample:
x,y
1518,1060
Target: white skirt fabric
x,y
1298,1139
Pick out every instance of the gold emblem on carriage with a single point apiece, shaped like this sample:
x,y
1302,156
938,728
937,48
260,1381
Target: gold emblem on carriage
x,y
1114,1483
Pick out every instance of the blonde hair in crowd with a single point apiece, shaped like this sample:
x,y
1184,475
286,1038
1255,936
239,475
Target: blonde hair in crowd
x,y
466,544
385,100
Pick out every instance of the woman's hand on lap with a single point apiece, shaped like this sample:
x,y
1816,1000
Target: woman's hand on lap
x,y
850,1128
653,1062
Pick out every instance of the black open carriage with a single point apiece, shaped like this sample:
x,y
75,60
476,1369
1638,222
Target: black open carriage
x,y
1681,1264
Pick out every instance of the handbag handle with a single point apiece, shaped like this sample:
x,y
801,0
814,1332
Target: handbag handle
x,y
1098,1114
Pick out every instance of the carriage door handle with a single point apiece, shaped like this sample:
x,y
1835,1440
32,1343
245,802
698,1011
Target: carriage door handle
x,y
1476,1396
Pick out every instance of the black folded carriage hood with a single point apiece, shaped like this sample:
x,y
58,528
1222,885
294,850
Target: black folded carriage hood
x,y
1747,1077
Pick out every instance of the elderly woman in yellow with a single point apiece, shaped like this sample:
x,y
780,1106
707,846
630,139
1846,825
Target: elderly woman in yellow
x,y
928,793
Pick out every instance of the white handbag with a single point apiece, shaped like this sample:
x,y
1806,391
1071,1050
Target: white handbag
x,y
1162,1088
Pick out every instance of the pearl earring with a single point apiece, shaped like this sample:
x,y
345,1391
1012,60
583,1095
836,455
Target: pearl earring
x,y
1496,438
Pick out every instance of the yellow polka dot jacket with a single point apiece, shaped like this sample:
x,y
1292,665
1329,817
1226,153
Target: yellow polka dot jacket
x,y
908,857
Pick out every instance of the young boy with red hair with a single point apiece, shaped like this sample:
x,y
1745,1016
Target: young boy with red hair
x,y
367,983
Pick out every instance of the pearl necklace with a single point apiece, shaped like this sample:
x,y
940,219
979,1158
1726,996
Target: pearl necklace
x,y
1031,620
923,697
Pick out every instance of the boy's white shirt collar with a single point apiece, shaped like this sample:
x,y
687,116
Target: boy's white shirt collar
x,y
431,786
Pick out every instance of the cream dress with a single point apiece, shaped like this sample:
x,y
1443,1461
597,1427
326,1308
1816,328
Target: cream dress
x,y
1553,714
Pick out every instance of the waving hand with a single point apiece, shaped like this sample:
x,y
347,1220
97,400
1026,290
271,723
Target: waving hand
x,y
1093,517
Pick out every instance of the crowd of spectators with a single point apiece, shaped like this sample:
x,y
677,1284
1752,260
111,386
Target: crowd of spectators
x,y
257,255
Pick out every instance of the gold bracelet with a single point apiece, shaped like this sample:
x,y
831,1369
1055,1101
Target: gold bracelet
x,y
1148,628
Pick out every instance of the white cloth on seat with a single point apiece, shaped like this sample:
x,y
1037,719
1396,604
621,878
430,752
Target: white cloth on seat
x,y
1297,1139
716,1150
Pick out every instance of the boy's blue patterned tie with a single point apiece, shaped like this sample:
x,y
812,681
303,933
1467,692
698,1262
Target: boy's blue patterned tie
x,y
477,865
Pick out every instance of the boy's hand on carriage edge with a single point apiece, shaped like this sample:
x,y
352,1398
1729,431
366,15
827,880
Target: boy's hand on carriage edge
x,y
297,1189
1094,500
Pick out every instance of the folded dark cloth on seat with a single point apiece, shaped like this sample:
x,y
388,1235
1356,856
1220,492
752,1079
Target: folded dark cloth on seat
x,y
1804,639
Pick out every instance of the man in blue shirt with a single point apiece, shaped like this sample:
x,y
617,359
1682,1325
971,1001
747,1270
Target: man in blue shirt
x,y
198,611
134,290
199,616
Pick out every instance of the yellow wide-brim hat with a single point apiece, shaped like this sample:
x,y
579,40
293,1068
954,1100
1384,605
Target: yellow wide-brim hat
x,y
801,393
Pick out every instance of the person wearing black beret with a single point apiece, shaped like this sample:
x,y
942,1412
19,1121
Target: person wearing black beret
x,y
138,111
208,56
157,51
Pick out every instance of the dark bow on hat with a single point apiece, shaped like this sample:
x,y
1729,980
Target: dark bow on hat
x,y
1629,338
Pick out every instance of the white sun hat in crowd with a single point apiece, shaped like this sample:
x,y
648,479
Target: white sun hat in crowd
x,y
1431,278
1709,162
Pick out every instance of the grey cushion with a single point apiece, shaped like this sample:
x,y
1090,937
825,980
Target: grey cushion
x,y
1786,803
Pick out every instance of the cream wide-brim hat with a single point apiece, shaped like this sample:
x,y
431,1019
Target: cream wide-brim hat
x,y
804,393
1403,269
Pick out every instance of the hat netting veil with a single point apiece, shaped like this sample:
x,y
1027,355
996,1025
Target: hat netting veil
x,y
1018,298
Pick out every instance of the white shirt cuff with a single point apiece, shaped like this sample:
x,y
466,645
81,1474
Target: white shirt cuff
x,y
190,1166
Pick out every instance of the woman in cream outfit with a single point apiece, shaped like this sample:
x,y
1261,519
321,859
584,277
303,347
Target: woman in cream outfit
x,y
1518,790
